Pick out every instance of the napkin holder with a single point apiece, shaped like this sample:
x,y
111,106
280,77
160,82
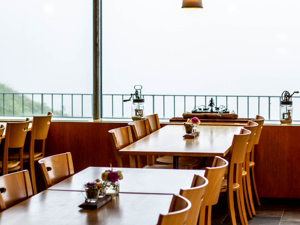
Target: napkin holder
x,y
191,135
100,202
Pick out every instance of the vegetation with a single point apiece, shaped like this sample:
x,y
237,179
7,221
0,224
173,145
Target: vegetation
x,y
14,106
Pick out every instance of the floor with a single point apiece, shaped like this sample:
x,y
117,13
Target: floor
x,y
271,211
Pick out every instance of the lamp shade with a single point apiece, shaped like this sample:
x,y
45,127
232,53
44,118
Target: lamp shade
x,y
192,4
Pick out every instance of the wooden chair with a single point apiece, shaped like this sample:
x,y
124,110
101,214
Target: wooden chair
x,y
184,162
56,168
260,120
234,183
1,132
39,131
154,123
251,126
15,136
178,212
122,137
214,176
195,196
14,188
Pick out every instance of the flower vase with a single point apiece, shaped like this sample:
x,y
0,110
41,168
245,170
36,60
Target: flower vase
x,y
112,188
195,128
91,194
188,128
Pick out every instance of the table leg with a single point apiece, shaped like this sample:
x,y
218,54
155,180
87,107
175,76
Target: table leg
x,y
175,162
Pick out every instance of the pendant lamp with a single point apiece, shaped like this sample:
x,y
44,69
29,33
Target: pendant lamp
x,y
192,4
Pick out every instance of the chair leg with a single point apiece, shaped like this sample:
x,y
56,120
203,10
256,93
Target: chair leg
x,y
208,215
242,203
249,192
249,210
32,176
202,217
239,206
254,187
231,211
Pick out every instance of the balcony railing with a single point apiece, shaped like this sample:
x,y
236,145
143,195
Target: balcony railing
x,y
68,105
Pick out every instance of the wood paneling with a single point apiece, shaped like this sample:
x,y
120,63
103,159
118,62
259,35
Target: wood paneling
x,y
276,162
277,155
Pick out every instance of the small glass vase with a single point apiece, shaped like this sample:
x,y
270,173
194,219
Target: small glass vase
x,y
91,195
195,128
189,128
112,188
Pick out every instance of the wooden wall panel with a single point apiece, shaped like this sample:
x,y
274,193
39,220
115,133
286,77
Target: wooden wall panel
x,y
277,156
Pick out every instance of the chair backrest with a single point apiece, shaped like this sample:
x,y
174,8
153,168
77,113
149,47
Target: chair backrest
x,y
154,124
214,176
1,132
178,212
260,120
40,126
237,156
140,128
14,188
15,134
120,138
56,168
251,126
195,196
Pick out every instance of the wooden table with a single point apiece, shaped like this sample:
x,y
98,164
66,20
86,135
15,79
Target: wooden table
x,y
61,207
155,181
212,141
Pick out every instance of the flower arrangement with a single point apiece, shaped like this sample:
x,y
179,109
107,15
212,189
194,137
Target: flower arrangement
x,y
112,176
194,120
190,124
92,190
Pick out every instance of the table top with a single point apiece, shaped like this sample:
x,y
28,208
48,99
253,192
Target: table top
x,y
212,141
61,207
136,180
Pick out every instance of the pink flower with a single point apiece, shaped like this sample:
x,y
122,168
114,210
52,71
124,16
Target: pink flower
x,y
112,176
195,120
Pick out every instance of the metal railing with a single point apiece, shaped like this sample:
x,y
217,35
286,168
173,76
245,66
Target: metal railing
x,y
70,105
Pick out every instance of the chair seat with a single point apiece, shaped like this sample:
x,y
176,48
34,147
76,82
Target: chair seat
x,y
184,160
224,186
244,173
251,164
12,165
158,166
26,156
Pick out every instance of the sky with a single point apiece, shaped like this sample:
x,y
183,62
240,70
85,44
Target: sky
x,y
227,48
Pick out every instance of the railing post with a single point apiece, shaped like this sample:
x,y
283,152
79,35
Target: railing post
x,y
97,60
174,106
22,104
164,106
42,103
13,99
269,107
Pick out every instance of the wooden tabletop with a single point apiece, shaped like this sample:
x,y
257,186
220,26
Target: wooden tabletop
x,y
61,207
155,181
212,141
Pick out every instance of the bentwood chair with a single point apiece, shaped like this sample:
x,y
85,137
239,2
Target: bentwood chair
x,y
184,161
122,137
14,188
214,176
56,168
39,132
1,132
178,212
251,126
260,120
195,196
15,136
234,183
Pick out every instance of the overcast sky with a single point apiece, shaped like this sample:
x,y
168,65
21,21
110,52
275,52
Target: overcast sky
x,y
228,47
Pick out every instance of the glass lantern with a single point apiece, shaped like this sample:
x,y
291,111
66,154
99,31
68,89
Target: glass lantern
x,y
137,109
286,107
286,112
